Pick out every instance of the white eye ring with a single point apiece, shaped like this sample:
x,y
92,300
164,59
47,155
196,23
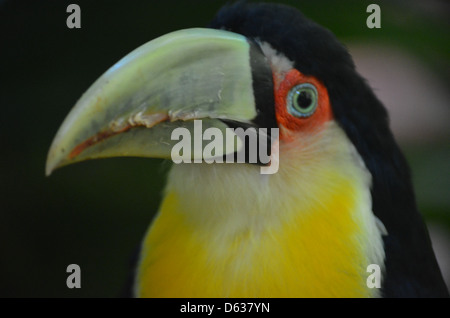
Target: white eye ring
x,y
302,100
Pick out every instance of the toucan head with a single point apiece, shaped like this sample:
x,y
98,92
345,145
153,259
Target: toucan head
x,y
256,65
264,66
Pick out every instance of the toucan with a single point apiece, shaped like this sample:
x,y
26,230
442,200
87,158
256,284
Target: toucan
x,y
340,201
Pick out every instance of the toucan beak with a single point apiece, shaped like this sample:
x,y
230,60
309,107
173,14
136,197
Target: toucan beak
x,y
164,84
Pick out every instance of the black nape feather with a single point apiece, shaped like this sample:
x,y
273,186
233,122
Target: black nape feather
x,y
411,267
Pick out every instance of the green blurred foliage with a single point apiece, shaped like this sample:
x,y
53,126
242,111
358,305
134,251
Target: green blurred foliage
x,y
95,214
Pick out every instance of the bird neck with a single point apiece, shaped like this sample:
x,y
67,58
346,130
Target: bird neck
x,y
307,230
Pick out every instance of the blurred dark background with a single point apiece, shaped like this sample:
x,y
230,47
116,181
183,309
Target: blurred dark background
x,y
94,214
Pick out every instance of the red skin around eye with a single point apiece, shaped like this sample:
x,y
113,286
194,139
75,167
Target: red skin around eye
x,y
289,122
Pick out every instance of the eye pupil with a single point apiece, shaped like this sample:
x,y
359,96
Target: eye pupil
x,y
304,99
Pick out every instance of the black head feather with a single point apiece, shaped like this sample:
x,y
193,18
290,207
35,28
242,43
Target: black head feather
x,y
411,267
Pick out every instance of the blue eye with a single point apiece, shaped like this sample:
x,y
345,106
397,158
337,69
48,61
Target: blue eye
x,y
302,100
